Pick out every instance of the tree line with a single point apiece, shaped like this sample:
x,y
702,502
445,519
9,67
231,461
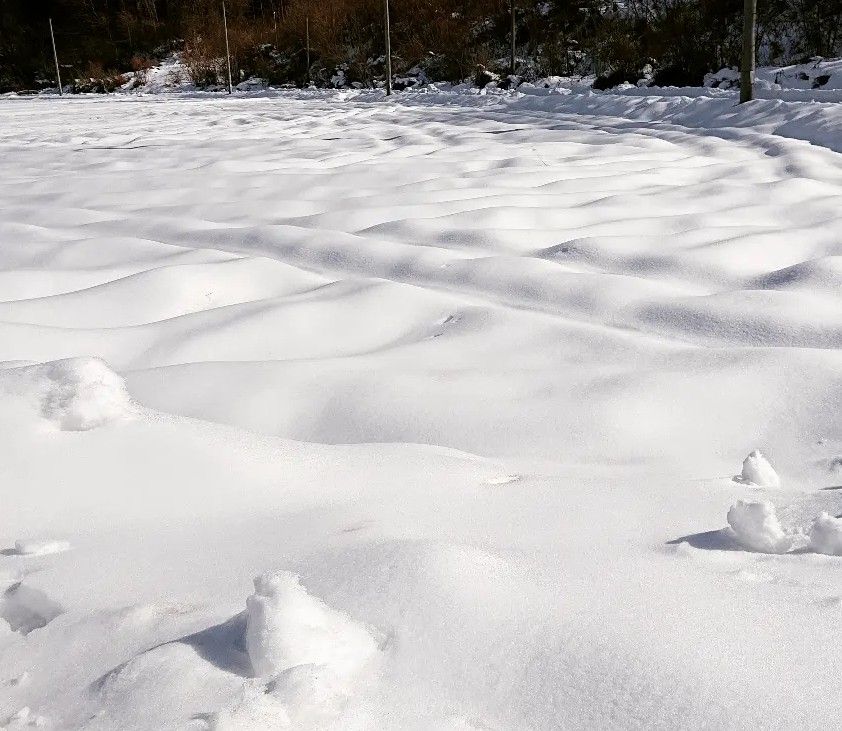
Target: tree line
x,y
676,41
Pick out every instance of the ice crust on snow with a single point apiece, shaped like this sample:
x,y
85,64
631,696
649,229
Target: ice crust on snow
x,y
826,535
287,627
758,471
755,526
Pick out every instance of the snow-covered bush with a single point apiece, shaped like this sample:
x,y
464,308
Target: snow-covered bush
x,y
725,78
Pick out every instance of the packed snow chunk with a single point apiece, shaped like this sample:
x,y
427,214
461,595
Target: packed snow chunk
x,y
42,547
25,718
755,526
84,393
26,609
758,471
826,535
287,627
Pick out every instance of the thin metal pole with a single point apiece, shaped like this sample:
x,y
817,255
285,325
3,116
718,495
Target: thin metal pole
x,y
307,31
388,50
512,55
749,33
55,57
227,48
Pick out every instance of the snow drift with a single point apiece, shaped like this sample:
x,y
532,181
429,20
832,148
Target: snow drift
x,y
507,276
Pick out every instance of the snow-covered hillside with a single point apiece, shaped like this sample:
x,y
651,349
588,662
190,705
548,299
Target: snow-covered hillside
x,y
323,410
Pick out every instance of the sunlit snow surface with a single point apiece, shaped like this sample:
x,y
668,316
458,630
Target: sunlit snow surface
x,y
468,381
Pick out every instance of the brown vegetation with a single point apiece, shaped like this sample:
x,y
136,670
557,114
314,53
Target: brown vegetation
x,y
680,39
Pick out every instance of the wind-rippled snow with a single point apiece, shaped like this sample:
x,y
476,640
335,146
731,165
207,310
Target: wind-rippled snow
x,y
480,372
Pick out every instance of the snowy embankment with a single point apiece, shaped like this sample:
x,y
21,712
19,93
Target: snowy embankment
x,y
465,380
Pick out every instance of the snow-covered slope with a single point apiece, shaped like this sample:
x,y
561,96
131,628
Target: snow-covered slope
x,y
462,379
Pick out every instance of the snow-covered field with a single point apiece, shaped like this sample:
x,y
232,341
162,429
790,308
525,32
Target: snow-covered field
x,y
327,411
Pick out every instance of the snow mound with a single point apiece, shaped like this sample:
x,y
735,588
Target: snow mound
x,y
755,526
826,535
83,393
287,627
758,471
36,547
175,675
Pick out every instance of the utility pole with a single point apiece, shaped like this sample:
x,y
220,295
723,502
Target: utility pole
x,y
227,48
512,54
55,58
749,34
307,31
388,50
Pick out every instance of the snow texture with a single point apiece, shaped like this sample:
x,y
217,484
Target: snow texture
x,y
476,366
755,525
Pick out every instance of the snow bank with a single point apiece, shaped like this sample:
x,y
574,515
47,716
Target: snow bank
x,y
826,535
755,526
287,627
758,471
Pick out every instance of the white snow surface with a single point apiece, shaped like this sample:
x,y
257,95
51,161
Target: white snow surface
x,y
464,377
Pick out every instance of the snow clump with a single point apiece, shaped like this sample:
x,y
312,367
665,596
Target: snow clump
x,y
287,627
83,393
758,471
826,535
35,547
755,526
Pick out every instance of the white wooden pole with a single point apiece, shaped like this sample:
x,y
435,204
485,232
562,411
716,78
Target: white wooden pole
x,y
388,50
227,48
55,58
